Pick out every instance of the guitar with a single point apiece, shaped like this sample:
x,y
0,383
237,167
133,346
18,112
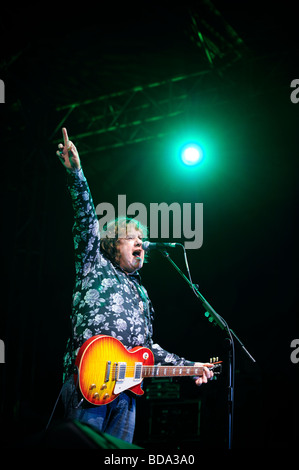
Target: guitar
x,y
106,368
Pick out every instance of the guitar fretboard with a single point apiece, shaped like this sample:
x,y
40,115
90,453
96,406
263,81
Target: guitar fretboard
x,y
171,371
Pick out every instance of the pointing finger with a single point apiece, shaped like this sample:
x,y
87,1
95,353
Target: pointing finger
x,y
65,136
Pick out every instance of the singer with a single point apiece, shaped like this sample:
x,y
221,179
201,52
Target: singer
x,y
108,299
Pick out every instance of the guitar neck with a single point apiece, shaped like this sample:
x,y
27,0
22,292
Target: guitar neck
x,y
172,371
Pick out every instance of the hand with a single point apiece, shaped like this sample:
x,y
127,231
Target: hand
x,y
67,153
207,373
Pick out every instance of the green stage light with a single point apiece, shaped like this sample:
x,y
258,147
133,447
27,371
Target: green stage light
x,y
191,154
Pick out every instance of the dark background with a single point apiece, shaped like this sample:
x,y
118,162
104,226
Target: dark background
x,y
239,102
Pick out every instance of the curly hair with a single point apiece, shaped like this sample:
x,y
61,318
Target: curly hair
x,y
116,229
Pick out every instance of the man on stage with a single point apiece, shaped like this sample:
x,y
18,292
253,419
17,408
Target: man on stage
x,y
108,299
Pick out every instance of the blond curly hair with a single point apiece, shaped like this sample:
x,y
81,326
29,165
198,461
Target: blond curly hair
x,y
116,229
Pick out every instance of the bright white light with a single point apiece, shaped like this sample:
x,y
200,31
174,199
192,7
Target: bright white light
x,y
192,154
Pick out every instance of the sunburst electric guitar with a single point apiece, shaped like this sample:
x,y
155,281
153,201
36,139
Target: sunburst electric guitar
x,y
106,368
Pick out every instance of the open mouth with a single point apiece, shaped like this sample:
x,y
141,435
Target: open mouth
x,y
137,254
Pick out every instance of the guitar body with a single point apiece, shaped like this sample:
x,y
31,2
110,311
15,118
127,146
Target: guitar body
x,y
106,368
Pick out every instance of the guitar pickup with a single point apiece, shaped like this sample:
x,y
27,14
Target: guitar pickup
x,y
122,367
119,371
138,370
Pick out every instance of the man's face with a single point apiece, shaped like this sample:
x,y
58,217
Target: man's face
x,y
131,254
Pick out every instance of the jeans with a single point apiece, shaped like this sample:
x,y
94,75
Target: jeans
x,y
116,418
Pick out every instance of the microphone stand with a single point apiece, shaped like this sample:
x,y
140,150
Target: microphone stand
x,y
217,320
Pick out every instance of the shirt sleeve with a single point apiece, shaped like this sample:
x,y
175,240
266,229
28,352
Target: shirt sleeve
x,y
163,357
86,233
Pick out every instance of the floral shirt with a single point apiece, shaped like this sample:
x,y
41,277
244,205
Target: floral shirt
x,y
106,300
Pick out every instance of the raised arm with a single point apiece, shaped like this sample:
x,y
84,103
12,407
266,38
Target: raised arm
x,y
86,227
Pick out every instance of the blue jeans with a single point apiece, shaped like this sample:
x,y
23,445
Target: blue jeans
x,y
116,419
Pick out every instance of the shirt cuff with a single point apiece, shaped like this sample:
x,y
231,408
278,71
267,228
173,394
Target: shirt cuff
x,y
74,171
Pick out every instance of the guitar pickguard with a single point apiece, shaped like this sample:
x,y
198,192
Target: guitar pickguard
x,y
126,384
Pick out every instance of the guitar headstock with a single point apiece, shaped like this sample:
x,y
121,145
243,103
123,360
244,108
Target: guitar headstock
x,y
216,366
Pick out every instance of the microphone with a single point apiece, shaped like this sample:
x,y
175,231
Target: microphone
x,y
146,246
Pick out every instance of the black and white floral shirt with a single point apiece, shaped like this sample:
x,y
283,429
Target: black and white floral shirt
x,y
106,300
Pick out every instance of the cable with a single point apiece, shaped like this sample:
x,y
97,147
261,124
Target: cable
x,y
54,408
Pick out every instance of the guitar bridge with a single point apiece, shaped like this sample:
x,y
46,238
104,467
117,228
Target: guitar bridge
x,y
107,372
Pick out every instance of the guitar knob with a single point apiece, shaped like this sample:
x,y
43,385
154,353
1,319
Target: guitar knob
x,y
96,395
106,396
92,386
103,387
